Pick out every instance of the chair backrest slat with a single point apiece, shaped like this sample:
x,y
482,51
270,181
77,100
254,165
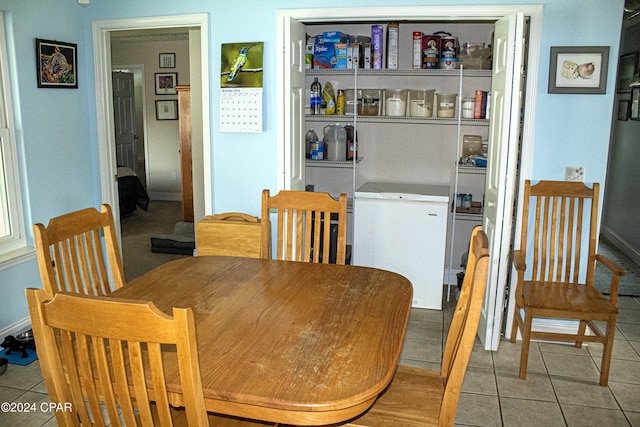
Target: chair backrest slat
x,y
562,211
78,252
107,357
304,225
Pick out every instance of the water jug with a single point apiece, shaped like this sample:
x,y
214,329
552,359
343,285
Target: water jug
x,y
335,138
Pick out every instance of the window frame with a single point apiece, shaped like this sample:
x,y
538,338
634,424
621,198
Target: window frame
x,y
13,246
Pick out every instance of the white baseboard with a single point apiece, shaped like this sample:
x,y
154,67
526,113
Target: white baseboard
x,y
16,328
620,243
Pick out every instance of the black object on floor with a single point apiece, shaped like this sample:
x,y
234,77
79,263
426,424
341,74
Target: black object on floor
x,y
182,241
21,343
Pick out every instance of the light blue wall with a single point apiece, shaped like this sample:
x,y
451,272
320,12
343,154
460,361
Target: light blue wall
x,y
57,134
59,163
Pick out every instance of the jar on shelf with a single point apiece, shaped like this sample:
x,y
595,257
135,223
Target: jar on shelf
x,y
421,102
395,102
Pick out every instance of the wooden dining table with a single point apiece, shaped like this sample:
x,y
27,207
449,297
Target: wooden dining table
x,y
283,341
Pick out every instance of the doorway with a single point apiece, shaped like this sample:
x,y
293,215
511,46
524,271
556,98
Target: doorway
x,y
196,23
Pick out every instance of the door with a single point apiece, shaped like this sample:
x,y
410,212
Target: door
x,y
124,119
293,156
504,131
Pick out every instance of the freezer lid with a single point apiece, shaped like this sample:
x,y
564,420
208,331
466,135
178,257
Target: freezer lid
x,y
403,191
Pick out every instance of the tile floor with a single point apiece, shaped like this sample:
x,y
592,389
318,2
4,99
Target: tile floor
x,y
561,388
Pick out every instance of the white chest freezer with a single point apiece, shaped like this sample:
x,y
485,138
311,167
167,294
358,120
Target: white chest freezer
x,y
403,228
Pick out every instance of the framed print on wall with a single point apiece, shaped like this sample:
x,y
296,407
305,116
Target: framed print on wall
x,y
167,110
167,60
578,69
166,83
626,69
56,63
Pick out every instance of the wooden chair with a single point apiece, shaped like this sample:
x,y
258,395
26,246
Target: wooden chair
x,y
112,370
71,255
304,225
418,397
116,372
560,282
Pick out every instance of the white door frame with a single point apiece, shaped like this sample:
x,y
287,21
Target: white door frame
x,y
446,13
104,103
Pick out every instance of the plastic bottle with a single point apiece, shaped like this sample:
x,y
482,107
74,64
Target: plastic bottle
x,y
310,138
340,102
329,98
335,142
316,96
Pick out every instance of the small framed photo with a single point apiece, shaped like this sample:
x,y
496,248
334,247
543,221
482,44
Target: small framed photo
x,y
634,113
167,60
578,69
623,110
57,64
626,69
166,83
167,110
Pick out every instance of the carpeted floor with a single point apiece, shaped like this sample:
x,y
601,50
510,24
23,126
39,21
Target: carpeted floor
x,y
629,283
137,230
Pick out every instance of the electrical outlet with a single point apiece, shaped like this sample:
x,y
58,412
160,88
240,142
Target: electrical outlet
x,y
174,176
574,174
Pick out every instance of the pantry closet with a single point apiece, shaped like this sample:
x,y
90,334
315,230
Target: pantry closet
x,y
406,149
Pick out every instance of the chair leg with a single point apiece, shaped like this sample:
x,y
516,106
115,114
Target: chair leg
x,y
606,353
526,338
581,330
514,327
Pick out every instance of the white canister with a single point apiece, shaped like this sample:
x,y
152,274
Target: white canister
x,y
468,106
395,103
395,107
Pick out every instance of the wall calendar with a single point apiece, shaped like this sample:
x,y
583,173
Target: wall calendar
x,y
241,87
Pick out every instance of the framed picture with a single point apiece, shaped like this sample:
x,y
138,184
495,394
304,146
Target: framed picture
x,y
623,110
634,113
167,110
166,83
167,60
57,64
626,69
578,69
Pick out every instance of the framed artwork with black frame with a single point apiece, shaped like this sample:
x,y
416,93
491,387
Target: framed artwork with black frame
x,y
166,83
167,60
167,110
626,69
578,69
57,64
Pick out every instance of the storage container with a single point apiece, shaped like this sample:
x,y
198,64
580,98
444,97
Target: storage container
x,y
395,102
421,102
446,104
367,102
471,145
229,234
